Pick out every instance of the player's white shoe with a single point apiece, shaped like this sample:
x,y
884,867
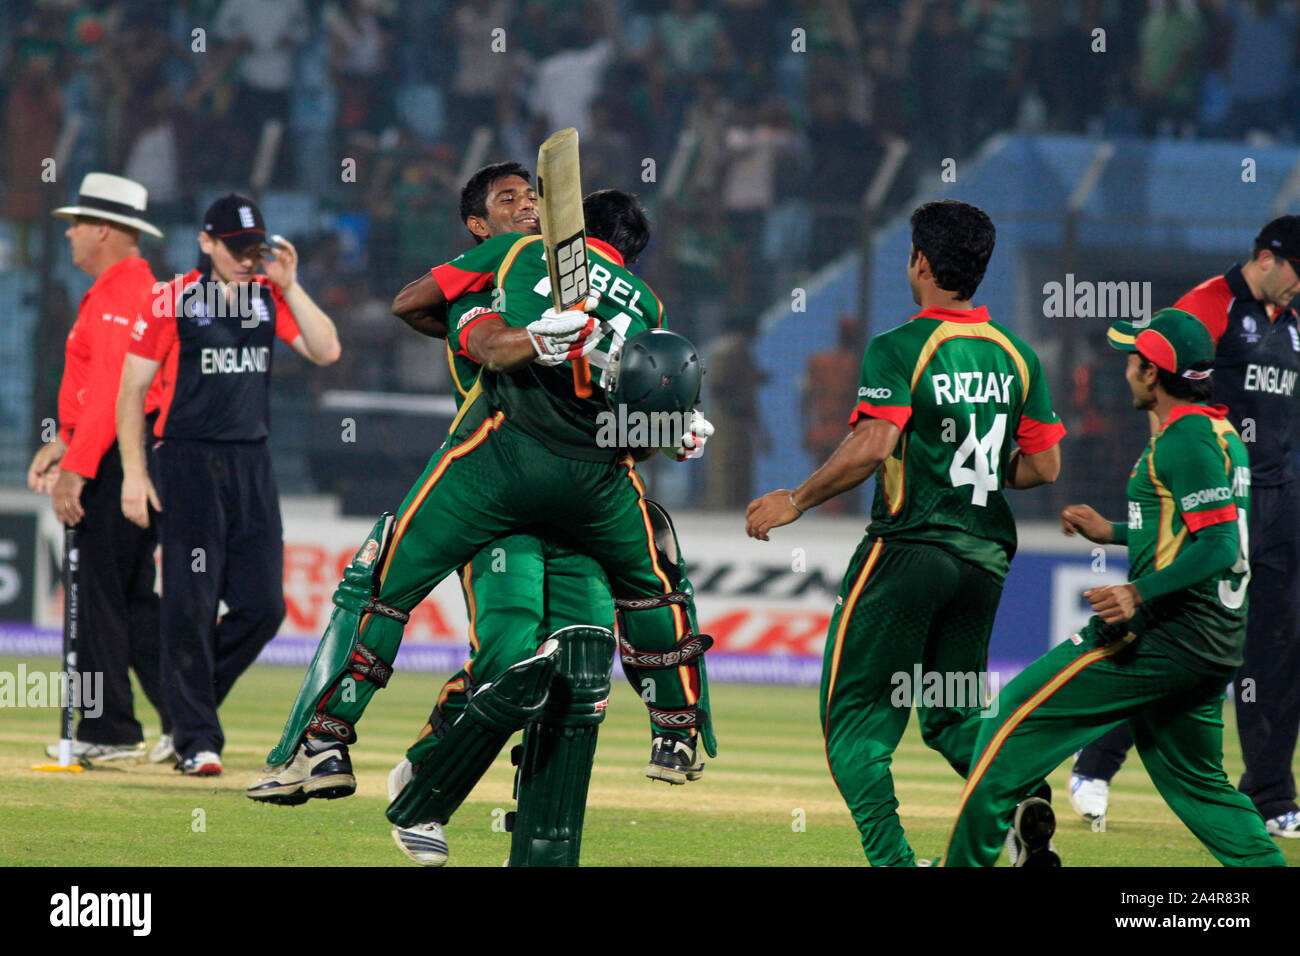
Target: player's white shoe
x,y
1089,796
100,753
163,750
1287,825
424,843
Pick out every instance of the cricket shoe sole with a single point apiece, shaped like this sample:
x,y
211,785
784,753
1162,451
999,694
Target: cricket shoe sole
x,y
1032,830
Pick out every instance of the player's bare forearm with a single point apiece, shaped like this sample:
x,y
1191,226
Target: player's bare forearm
x,y
320,338
857,458
422,305
130,427
429,322
499,347
1030,471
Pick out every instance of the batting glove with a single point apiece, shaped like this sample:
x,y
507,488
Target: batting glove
x,y
692,443
560,337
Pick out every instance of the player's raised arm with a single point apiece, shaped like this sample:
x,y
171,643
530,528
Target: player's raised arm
x,y
318,341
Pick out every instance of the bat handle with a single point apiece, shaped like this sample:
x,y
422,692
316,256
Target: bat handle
x,y
582,377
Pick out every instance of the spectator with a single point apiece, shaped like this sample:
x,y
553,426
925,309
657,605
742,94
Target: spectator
x,y
999,30
360,54
1172,38
32,117
265,33
1260,57
829,387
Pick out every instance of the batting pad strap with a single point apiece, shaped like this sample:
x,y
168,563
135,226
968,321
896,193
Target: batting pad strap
x,y
649,603
323,724
684,719
685,650
367,663
376,607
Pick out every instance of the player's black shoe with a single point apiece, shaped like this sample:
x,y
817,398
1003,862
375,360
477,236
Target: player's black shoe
x,y
1030,841
672,760
319,768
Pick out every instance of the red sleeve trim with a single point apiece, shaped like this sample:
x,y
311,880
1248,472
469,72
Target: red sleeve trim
x,y
1196,520
286,325
462,335
898,414
455,282
1033,437
1210,302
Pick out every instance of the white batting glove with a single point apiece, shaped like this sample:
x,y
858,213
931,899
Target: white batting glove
x,y
560,337
692,443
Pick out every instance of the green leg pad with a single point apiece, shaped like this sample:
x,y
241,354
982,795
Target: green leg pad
x,y
445,778
334,652
558,750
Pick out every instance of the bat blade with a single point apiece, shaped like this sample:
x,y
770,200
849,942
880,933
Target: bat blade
x,y
564,233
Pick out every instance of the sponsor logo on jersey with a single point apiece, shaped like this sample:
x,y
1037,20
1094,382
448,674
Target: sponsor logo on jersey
x,y
876,393
1134,516
976,388
234,361
115,319
472,313
1204,496
1270,379
1295,338
138,330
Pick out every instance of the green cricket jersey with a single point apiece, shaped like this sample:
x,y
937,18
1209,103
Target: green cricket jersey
x,y
539,400
1193,474
964,391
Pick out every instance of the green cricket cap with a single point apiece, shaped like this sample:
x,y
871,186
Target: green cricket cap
x,y
1174,340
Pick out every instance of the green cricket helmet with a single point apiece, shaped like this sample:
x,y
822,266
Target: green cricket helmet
x,y
656,371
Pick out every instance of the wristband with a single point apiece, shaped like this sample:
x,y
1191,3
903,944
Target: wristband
x,y
795,506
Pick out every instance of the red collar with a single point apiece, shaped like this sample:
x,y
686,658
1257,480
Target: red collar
x,y
606,250
966,316
1181,411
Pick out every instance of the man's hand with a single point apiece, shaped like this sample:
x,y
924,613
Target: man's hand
x,y
283,268
772,510
1081,519
559,337
692,443
137,495
67,498
44,470
1116,603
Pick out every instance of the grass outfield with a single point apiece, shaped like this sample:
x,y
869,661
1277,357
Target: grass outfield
x,y
742,813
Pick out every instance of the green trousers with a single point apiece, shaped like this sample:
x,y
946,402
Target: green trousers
x,y
904,610
519,590
1076,692
489,481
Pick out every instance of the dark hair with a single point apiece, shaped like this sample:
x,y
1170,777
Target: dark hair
x,y
957,239
616,217
1187,389
473,198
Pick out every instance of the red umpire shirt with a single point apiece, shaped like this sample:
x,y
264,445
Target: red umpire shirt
x,y
216,355
111,311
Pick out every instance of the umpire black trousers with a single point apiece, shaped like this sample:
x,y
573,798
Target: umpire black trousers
x,y
1267,687
221,541
119,608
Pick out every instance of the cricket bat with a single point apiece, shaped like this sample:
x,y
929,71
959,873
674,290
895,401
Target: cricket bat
x,y
564,233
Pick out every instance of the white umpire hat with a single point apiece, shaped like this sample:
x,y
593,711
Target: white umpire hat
x,y
114,198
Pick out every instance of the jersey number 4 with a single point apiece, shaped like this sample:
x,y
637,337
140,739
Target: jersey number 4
x,y
977,461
